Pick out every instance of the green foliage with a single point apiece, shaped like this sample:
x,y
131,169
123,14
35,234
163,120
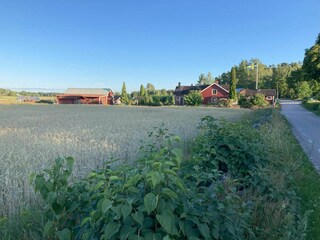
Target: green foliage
x,y
150,200
244,102
232,92
311,61
142,90
193,98
303,90
313,106
124,94
205,79
259,100
228,189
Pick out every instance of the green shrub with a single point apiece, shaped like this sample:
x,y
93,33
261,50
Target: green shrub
x,y
313,106
229,188
151,200
244,102
194,98
259,100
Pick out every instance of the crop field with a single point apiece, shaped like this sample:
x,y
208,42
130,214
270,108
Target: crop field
x,y
31,137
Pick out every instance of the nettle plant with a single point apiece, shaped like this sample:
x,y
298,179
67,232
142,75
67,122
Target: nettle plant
x,y
159,197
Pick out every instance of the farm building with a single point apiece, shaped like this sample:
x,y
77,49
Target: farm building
x,y
269,94
214,92
210,93
86,96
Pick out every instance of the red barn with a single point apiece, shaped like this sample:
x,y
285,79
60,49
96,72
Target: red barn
x,y
86,96
210,93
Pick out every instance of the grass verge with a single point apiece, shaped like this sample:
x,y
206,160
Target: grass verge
x,y
306,180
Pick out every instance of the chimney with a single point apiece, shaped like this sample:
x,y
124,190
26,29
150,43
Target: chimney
x,y
179,84
191,85
217,81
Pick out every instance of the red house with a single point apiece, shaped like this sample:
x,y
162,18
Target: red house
x,y
210,93
86,96
269,94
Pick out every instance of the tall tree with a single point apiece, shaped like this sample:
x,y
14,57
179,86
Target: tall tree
x,y
311,61
303,90
202,79
124,94
150,88
232,92
142,90
205,79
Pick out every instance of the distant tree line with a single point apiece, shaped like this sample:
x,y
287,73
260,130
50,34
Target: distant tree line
x,y
147,95
292,80
8,92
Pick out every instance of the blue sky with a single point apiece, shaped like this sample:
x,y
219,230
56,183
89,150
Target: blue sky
x,y
76,43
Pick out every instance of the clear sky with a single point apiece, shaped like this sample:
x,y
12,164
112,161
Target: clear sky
x,y
91,43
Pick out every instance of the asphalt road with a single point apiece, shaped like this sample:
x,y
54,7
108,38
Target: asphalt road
x,y
306,128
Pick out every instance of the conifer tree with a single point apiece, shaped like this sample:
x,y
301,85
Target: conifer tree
x,y
232,92
124,94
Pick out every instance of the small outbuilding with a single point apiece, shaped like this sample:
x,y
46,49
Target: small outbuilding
x,y
269,94
86,96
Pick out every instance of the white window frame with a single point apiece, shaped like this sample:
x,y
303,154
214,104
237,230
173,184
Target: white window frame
x,y
269,98
214,91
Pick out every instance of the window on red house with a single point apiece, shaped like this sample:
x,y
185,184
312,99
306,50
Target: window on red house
x,y
214,91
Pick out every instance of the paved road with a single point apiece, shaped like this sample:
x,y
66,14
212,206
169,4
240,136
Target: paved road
x,y
306,128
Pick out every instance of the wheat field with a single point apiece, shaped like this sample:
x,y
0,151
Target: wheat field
x,y
31,137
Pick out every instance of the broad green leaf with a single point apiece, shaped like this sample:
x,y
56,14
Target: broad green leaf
x,y
40,181
138,217
48,229
169,193
126,210
167,221
150,202
65,234
111,229
114,178
52,197
204,230
126,230
106,205
70,163
169,171
166,238
156,178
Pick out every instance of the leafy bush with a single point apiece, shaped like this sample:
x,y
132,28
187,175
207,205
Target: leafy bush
x,y
244,102
194,98
148,201
313,106
259,100
226,190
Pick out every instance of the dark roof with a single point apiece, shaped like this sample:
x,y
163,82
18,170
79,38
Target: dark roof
x,y
225,86
266,92
186,89
85,91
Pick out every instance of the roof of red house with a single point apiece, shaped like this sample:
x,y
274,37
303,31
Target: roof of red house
x,y
186,89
